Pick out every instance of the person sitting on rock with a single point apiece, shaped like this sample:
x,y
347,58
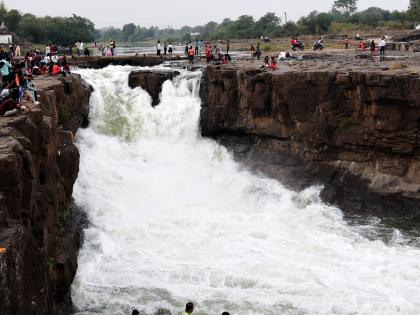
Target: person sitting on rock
x,y
255,53
189,309
10,107
56,69
266,61
273,64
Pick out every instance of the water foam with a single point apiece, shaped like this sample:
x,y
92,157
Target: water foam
x,y
173,218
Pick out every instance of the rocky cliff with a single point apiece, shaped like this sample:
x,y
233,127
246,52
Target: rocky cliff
x,y
151,81
355,132
39,226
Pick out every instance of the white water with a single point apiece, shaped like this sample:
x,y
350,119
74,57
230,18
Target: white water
x,y
173,218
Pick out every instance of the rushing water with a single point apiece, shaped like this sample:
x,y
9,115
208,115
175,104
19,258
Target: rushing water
x,y
173,218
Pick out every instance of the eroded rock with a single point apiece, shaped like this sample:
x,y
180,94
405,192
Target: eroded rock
x,y
362,124
39,164
151,81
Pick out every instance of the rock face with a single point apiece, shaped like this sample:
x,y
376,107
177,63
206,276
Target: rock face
x,y
363,126
411,36
39,164
151,81
102,62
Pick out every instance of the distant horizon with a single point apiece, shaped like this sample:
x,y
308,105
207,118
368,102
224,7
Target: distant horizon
x,y
146,14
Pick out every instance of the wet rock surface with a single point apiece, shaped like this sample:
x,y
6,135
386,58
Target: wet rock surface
x,y
39,164
151,81
102,62
356,133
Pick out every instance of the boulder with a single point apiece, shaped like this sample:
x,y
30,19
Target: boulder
x,y
151,81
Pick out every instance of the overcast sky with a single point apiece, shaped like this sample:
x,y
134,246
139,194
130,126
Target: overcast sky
x,y
174,13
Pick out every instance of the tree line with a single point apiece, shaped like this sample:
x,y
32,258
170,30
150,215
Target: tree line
x,y
60,30
343,16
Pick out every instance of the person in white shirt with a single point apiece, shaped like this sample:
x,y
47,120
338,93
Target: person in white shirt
x,y
382,45
158,48
282,55
81,48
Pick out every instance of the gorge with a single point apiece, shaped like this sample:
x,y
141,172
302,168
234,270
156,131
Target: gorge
x,y
267,222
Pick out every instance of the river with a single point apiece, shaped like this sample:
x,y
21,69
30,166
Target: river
x,y
173,218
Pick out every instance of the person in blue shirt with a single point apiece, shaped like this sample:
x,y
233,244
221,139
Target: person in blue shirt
x,y
5,68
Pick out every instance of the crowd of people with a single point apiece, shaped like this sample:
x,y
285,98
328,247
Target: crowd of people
x,y
97,49
17,73
189,309
213,53
374,47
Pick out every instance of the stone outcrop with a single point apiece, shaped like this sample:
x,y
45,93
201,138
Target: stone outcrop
x,y
357,132
39,229
151,81
102,62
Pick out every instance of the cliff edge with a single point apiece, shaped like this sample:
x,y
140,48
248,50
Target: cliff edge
x,y
39,226
356,132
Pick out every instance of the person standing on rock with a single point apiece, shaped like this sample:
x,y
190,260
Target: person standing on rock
x,y
372,48
191,55
382,45
346,43
165,47
189,308
158,48
112,47
170,49
196,47
95,48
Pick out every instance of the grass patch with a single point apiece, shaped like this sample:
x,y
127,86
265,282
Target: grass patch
x,y
63,214
64,115
50,262
346,122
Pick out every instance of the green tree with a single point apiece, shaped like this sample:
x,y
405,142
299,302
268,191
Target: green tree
x,y
245,27
267,24
414,10
12,20
290,29
371,16
128,30
346,7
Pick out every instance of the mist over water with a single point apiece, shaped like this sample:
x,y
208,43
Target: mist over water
x,y
174,219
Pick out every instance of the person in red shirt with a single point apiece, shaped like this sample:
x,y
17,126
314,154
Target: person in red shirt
x,y
56,69
191,55
208,53
273,65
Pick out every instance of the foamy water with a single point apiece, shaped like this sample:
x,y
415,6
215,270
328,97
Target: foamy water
x,y
174,219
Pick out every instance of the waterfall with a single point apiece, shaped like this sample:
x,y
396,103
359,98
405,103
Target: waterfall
x,y
173,218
